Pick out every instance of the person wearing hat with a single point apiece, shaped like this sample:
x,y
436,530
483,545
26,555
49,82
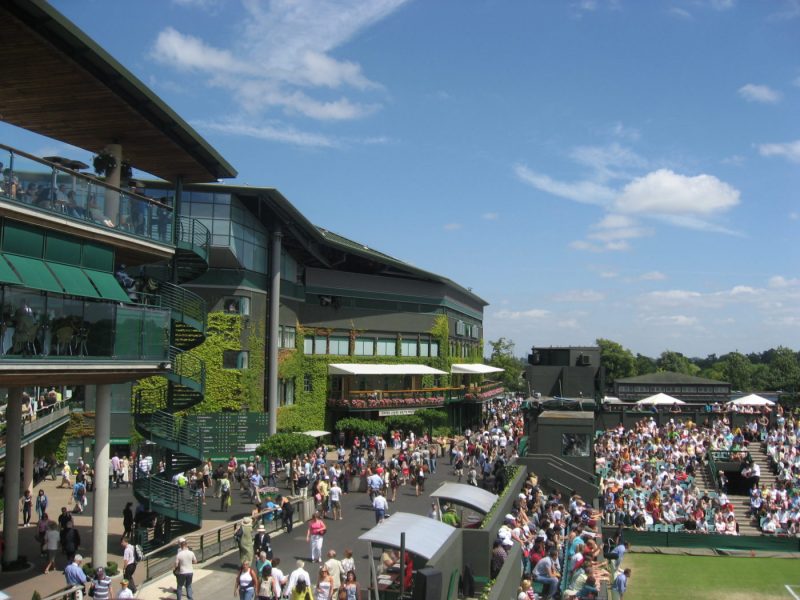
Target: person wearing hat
x,y
124,592
244,539
184,570
262,542
450,517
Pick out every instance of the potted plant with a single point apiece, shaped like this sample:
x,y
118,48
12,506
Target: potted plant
x,y
104,162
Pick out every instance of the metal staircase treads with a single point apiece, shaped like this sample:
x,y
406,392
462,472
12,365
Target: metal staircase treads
x,y
183,388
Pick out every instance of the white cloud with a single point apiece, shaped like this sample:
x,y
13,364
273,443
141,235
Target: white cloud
x,y
490,216
274,132
652,276
609,274
673,320
664,192
622,131
779,281
789,150
680,13
722,4
608,162
579,296
568,324
735,160
516,315
673,296
283,57
612,221
451,226
611,246
586,192
759,93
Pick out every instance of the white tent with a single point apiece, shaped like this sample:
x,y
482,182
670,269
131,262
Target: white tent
x,y
474,369
751,400
660,399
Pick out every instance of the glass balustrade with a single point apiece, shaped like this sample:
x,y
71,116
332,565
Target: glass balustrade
x,y
48,187
37,325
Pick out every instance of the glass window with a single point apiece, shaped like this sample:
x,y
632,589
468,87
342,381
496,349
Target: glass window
x,y
308,383
461,328
222,211
320,344
237,305
575,444
434,349
364,347
202,197
424,349
340,346
286,392
202,210
308,345
94,337
287,336
408,348
387,347
234,359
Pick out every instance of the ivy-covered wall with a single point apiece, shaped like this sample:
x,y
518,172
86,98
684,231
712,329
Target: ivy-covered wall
x,y
309,408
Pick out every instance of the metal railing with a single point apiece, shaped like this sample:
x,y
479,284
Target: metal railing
x,y
72,592
186,368
193,232
184,434
47,187
208,544
182,302
166,495
376,399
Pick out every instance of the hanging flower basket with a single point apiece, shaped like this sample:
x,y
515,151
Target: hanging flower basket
x,y
104,163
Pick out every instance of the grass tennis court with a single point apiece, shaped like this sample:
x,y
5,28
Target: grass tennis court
x,y
658,576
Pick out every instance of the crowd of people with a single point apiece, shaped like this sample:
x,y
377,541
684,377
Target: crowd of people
x,y
776,510
648,475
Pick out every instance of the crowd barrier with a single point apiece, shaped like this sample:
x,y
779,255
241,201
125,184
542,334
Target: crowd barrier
x,y
711,541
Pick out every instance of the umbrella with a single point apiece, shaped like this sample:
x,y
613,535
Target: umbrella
x,y
751,400
660,399
316,433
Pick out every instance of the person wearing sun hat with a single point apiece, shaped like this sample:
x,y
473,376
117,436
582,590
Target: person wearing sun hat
x,y
124,592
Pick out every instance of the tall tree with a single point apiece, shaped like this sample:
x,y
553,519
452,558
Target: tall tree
x,y
645,365
785,369
676,362
503,357
618,362
737,370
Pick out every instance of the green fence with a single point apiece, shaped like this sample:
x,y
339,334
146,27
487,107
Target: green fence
x,y
667,539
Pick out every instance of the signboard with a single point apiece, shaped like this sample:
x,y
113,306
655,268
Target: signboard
x,y
223,434
391,412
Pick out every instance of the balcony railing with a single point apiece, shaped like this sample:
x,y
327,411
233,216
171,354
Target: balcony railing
x,y
483,392
50,188
379,399
46,326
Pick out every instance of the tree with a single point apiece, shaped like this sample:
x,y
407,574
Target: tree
x,y
404,423
737,370
361,426
503,357
676,362
645,365
618,362
431,419
287,445
785,369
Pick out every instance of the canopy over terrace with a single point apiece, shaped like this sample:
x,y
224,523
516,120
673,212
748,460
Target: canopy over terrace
x,y
424,536
474,369
660,399
365,369
466,495
751,400
99,102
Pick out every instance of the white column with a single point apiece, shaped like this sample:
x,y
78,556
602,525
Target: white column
x,y
27,468
112,178
102,441
13,463
272,328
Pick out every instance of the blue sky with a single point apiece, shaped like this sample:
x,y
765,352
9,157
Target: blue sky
x,y
618,169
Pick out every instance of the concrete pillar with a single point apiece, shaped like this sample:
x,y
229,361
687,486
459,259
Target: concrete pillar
x,y
13,463
102,441
27,468
111,210
272,328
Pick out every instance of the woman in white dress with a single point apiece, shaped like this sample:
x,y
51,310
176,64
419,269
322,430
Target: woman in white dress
x,y
126,468
324,589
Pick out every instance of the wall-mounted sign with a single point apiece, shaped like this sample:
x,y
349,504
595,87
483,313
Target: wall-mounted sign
x,y
391,412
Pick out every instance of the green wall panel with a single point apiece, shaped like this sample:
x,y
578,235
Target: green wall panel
x,y
62,249
23,239
98,257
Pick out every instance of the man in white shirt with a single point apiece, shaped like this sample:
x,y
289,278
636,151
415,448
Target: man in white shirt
x,y
381,506
278,576
336,571
183,563
299,574
335,495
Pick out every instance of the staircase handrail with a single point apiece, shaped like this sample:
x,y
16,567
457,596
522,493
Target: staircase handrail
x,y
182,301
192,231
165,493
187,366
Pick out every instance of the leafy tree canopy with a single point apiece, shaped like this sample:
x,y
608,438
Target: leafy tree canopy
x,y
619,362
361,426
502,357
287,445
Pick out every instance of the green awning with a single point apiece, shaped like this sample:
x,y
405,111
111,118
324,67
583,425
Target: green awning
x,y
107,285
73,280
34,273
7,275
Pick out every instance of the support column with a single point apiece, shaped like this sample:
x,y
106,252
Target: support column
x,y
13,463
272,328
111,209
176,225
102,429
27,468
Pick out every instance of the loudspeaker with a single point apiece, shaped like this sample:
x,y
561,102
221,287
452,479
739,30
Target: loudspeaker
x,y
428,584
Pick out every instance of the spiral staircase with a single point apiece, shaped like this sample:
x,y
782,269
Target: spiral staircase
x,y
179,510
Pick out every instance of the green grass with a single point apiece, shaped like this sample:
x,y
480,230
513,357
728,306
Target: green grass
x,y
657,577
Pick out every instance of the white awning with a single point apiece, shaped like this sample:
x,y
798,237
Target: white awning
x,y
316,433
660,399
475,369
424,536
751,400
374,369
466,495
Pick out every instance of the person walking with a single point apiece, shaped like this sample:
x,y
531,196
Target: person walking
x,y
101,586
127,521
41,505
244,540
124,592
335,495
351,586
336,572
287,514
51,540
268,589
324,588
297,577
73,573
246,582
225,492
315,533
620,585
129,564
381,506
70,541
184,568
27,508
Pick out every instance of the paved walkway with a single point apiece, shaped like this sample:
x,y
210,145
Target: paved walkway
x,y
22,584
215,579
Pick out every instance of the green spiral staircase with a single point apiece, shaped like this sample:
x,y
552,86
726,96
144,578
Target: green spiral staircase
x,y
182,388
